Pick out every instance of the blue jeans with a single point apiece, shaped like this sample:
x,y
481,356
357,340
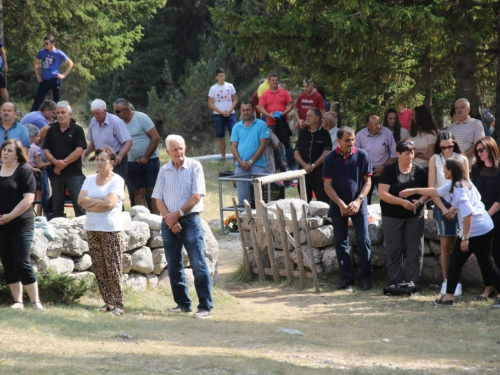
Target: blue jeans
x,y
244,187
292,164
46,190
341,234
59,185
44,87
221,122
193,239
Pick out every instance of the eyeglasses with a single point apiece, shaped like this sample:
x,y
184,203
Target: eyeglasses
x,y
117,111
447,147
481,150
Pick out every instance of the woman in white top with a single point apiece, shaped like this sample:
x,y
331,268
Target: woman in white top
x,y
102,197
423,132
446,147
476,227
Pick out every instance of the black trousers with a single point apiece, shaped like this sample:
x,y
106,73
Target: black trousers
x,y
481,247
15,255
315,184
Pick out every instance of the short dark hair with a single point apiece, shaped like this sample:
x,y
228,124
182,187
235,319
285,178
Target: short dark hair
x,y
219,71
47,104
50,38
369,116
21,156
245,102
273,74
123,102
316,111
111,154
345,130
404,145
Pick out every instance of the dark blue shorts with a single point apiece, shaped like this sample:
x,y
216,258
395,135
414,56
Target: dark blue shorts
x,y
38,179
142,176
446,228
221,122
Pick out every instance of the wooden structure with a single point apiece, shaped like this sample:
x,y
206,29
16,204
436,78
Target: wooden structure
x,y
261,234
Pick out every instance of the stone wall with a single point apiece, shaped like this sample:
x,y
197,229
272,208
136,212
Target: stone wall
x,y
144,262
325,258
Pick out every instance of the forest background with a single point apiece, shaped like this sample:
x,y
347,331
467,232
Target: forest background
x,y
162,55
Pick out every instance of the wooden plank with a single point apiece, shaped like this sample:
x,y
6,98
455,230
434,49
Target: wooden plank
x,y
257,190
246,259
269,240
264,180
311,253
255,243
298,248
303,191
296,274
284,241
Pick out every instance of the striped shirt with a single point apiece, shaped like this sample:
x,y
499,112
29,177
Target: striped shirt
x,y
175,187
467,133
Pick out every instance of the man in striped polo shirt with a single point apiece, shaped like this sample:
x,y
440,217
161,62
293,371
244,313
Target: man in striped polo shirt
x,y
466,130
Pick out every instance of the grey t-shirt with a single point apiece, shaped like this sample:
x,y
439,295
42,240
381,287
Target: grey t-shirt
x,y
138,126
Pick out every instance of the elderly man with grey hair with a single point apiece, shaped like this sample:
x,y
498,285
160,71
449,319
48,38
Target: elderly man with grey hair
x,y
466,130
64,145
108,130
179,193
329,122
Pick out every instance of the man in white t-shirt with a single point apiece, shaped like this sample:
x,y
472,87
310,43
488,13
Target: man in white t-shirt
x,y
222,99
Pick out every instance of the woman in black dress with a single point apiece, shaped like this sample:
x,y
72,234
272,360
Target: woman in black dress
x,y
17,192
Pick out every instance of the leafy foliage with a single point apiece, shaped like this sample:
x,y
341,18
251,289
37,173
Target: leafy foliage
x,y
52,288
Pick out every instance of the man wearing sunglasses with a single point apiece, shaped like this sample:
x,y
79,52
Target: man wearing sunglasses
x,y
143,162
11,129
50,78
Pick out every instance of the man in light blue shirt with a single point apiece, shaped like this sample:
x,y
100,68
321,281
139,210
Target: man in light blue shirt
x,y
143,162
11,129
248,143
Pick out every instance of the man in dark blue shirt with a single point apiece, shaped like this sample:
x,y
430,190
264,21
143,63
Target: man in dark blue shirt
x,y
347,177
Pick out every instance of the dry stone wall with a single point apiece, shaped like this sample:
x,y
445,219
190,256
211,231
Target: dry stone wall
x,y
144,262
325,257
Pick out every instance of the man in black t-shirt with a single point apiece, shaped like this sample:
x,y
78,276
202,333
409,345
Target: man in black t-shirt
x,y
64,145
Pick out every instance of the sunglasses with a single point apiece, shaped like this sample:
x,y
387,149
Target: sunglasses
x,y
481,150
407,143
447,147
117,111
5,136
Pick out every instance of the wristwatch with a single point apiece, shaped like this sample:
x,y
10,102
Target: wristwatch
x,y
312,165
465,238
250,161
361,197
421,202
181,213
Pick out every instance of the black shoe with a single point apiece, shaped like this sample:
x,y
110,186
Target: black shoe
x,y
440,302
180,309
366,284
344,285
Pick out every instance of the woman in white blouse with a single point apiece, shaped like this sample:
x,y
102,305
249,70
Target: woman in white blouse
x,y
423,132
102,197
476,227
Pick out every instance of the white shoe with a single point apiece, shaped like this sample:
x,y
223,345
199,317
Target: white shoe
x,y
443,287
458,290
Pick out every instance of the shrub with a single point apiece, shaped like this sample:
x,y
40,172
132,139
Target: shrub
x,y
52,288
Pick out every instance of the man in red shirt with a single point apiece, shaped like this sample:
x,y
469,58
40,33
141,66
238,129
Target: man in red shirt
x,y
310,98
275,104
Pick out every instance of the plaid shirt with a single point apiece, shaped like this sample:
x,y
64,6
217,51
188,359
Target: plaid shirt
x,y
175,187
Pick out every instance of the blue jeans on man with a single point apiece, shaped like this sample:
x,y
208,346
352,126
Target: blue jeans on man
x,y
244,187
193,239
44,87
341,236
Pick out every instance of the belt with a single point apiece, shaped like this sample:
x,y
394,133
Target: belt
x,y
189,216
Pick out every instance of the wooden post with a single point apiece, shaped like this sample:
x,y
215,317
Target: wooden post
x,y
303,191
246,259
269,239
312,265
255,243
284,241
298,248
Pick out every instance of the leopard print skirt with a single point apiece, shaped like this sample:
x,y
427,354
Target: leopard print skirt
x,y
106,249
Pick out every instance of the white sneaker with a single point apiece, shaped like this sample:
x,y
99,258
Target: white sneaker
x,y
443,287
458,290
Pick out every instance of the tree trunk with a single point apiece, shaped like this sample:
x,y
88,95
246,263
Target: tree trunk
x,y
466,84
1,21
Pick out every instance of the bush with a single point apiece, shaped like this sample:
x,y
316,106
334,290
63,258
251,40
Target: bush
x,y
52,288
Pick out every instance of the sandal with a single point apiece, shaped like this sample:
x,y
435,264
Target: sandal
x,y
37,305
117,311
17,305
105,308
485,298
